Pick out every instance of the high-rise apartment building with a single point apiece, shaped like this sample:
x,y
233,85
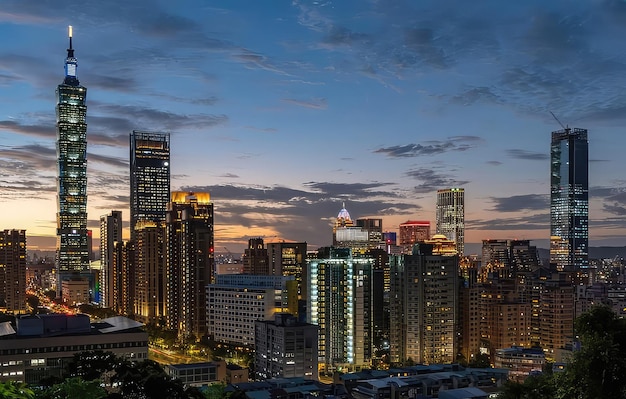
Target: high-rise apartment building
x,y
189,261
451,216
123,273
374,228
150,276
412,232
569,199
424,307
110,233
289,259
340,303
13,270
71,111
149,177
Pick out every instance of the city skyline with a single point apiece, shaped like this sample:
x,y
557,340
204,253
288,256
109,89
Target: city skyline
x,y
283,112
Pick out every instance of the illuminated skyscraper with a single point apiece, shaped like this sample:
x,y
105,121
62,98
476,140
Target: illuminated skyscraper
x,y
189,262
451,216
569,199
72,240
110,233
149,177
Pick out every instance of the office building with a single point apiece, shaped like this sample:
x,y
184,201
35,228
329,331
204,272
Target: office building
x,y
71,111
13,270
340,303
424,307
149,177
450,216
255,260
520,362
411,232
41,346
374,228
285,348
110,233
510,256
236,301
343,220
189,262
569,199
150,276
289,259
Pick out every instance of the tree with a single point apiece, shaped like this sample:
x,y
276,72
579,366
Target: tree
x,y
94,365
75,388
594,372
15,390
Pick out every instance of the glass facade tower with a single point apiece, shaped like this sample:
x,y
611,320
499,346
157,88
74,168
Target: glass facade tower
x,y
450,217
149,177
569,199
72,240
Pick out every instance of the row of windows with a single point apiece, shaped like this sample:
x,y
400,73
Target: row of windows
x,y
73,348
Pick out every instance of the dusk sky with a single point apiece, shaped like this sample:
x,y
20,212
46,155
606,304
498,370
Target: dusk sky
x,y
283,110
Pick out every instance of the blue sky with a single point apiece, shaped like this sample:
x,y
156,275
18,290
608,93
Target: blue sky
x,y
283,110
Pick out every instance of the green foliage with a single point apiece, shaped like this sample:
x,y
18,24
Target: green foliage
x,y
480,361
75,388
594,372
15,390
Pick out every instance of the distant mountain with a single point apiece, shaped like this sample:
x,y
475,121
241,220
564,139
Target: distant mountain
x,y
594,253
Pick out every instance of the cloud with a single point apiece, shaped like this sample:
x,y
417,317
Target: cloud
x,y
229,176
314,103
435,147
517,203
494,163
46,131
432,179
527,155
615,209
295,213
540,221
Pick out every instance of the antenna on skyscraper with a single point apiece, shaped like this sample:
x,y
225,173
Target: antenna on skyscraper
x,y
557,119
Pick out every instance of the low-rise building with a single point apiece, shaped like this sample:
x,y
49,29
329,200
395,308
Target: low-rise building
x,y
41,346
520,361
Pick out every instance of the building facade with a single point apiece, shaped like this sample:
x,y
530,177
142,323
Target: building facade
x,y
151,289
285,348
235,302
255,260
411,232
424,307
110,233
450,216
149,177
189,262
71,112
340,303
13,270
569,199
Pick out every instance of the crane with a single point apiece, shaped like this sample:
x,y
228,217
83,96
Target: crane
x,y
557,119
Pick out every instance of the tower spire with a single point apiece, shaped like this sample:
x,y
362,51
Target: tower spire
x,y
70,64
70,51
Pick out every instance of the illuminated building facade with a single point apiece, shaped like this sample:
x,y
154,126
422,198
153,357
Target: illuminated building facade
x,y
189,261
374,228
123,288
424,307
71,111
340,303
451,216
150,291
569,199
236,301
343,220
110,233
412,232
149,177
289,259
13,270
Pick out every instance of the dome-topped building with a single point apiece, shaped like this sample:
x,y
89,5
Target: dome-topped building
x,y
343,218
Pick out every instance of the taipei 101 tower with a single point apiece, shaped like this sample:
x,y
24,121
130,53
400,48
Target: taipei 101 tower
x,y
72,258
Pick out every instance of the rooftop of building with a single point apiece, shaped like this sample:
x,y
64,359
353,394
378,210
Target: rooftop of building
x,y
60,324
